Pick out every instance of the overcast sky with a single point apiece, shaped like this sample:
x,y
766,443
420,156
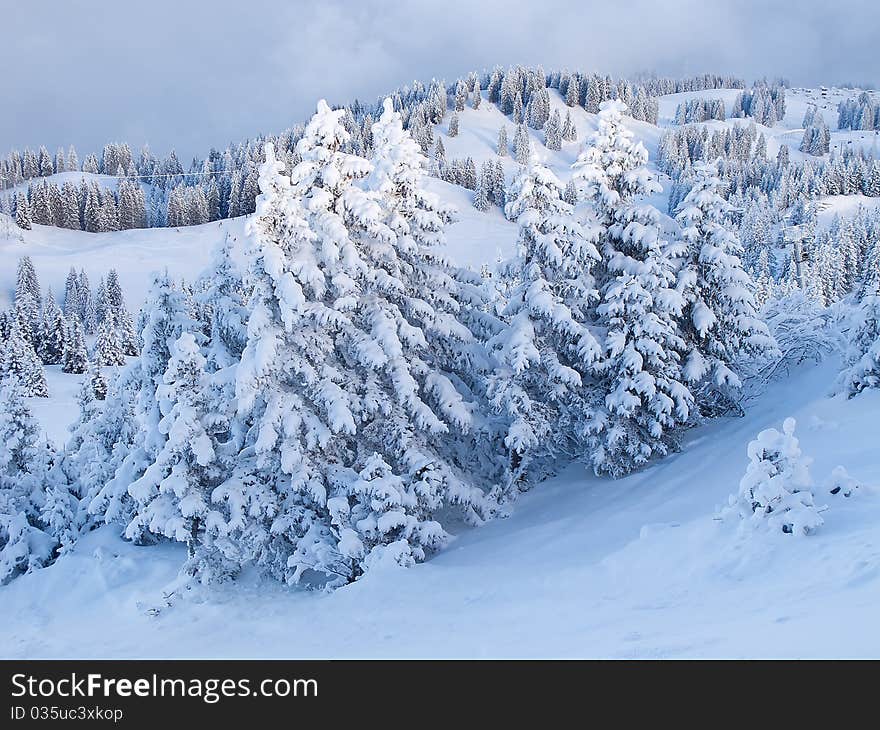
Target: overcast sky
x,y
189,75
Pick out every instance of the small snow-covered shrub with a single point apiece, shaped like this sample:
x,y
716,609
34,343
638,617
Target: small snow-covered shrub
x,y
777,489
840,482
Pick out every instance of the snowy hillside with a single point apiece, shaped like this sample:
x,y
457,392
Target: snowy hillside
x,y
521,447
584,567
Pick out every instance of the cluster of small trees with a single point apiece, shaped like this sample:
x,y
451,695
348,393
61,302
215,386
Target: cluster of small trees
x,y
699,110
764,102
161,192
862,112
817,138
37,332
745,167
87,206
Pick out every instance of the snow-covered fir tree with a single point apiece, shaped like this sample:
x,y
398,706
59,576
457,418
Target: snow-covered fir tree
x,y
175,496
19,361
452,131
501,147
719,325
74,357
546,351
25,460
646,398
125,433
521,145
336,378
553,132
108,346
863,353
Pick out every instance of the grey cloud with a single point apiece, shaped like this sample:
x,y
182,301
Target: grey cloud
x,y
191,75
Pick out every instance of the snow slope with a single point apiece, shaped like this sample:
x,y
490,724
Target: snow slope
x,y
584,567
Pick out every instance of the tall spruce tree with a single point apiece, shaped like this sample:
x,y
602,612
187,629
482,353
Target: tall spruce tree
x,y
645,395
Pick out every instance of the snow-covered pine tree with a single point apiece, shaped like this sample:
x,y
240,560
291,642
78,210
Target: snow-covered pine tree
x,y
175,494
108,346
125,435
719,324
323,299
645,397
51,341
452,131
553,132
546,350
863,352
75,357
454,321
569,131
24,466
97,382
87,313
20,362
22,212
484,182
777,489
28,301
501,148
222,303
71,294
521,146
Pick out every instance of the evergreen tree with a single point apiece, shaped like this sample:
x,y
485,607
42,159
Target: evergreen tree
x,y
97,383
352,378
453,125
28,301
108,346
51,341
75,358
521,148
546,350
645,398
484,182
863,354
553,132
175,495
24,467
569,132
719,323
22,364
502,142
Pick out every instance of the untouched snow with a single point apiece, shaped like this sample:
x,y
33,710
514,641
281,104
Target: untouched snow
x,y
583,567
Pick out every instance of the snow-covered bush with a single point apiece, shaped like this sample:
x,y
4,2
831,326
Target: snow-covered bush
x,y
840,482
777,489
803,331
